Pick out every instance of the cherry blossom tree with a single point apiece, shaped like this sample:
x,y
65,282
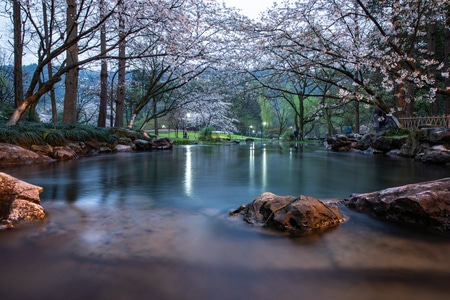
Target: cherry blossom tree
x,y
373,55
191,39
62,38
406,51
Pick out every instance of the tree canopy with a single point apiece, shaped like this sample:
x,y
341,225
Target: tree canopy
x,y
301,60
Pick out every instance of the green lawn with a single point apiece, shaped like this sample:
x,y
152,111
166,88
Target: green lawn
x,y
194,135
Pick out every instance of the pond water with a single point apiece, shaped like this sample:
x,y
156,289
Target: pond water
x,y
155,225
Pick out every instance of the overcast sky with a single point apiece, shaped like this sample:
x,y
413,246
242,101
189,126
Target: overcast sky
x,y
251,8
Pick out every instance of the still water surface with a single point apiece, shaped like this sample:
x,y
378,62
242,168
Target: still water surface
x,y
155,226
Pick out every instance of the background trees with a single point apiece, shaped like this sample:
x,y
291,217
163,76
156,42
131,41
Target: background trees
x,y
320,66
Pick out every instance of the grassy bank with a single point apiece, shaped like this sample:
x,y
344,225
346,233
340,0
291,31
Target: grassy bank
x,y
27,134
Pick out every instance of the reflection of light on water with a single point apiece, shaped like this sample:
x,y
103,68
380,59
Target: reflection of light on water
x,y
188,172
264,168
251,164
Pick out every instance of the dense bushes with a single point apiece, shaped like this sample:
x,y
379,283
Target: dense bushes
x,y
29,133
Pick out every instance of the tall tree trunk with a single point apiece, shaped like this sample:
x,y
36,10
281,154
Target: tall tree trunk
x,y
121,76
357,116
331,130
47,38
155,120
103,75
357,43
18,52
301,129
52,95
446,59
400,88
71,82
431,37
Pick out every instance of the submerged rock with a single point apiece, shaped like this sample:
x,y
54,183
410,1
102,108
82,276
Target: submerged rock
x,y
424,204
19,201
295,215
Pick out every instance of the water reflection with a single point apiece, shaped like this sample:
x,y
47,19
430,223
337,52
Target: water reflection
x,y
140,225
251,164
188,172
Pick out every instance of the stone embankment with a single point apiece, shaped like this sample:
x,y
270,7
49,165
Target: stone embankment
x,y
429,145
127,142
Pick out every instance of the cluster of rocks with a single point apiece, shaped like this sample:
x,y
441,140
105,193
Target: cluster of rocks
x,y
426,205
19,202
423,205
429,145
14,154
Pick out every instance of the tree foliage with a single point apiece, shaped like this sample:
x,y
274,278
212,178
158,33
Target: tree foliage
x,y
319,58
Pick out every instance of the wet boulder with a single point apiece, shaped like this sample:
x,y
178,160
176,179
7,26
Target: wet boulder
x,y
365,142
424,204
386,144
19,201
434,135
16,155
341,143
142,145
162,143
123,148
295,215
436,156
63,153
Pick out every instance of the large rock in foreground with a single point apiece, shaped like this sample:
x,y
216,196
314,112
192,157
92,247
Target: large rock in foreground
x,y
294,215
424,204
19,201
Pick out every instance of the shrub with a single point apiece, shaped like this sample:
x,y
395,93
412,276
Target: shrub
x,y
55,138
206,134
287,136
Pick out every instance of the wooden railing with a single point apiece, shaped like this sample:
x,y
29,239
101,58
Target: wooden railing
x,y
416,122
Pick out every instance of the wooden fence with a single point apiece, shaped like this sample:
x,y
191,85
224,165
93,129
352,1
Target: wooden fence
x,y
416,122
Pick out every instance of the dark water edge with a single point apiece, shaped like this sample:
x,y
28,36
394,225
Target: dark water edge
x,y
155,226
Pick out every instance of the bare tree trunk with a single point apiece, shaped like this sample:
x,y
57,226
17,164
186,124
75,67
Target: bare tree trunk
x,y
446,59
156,126
431,37
357,114
31,99
357,42
103,76
52,95
301,103
71,82
331,130
18,52
48,42
121,77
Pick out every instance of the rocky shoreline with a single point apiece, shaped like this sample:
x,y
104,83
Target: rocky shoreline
x,y
127,142
428,145
425,205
